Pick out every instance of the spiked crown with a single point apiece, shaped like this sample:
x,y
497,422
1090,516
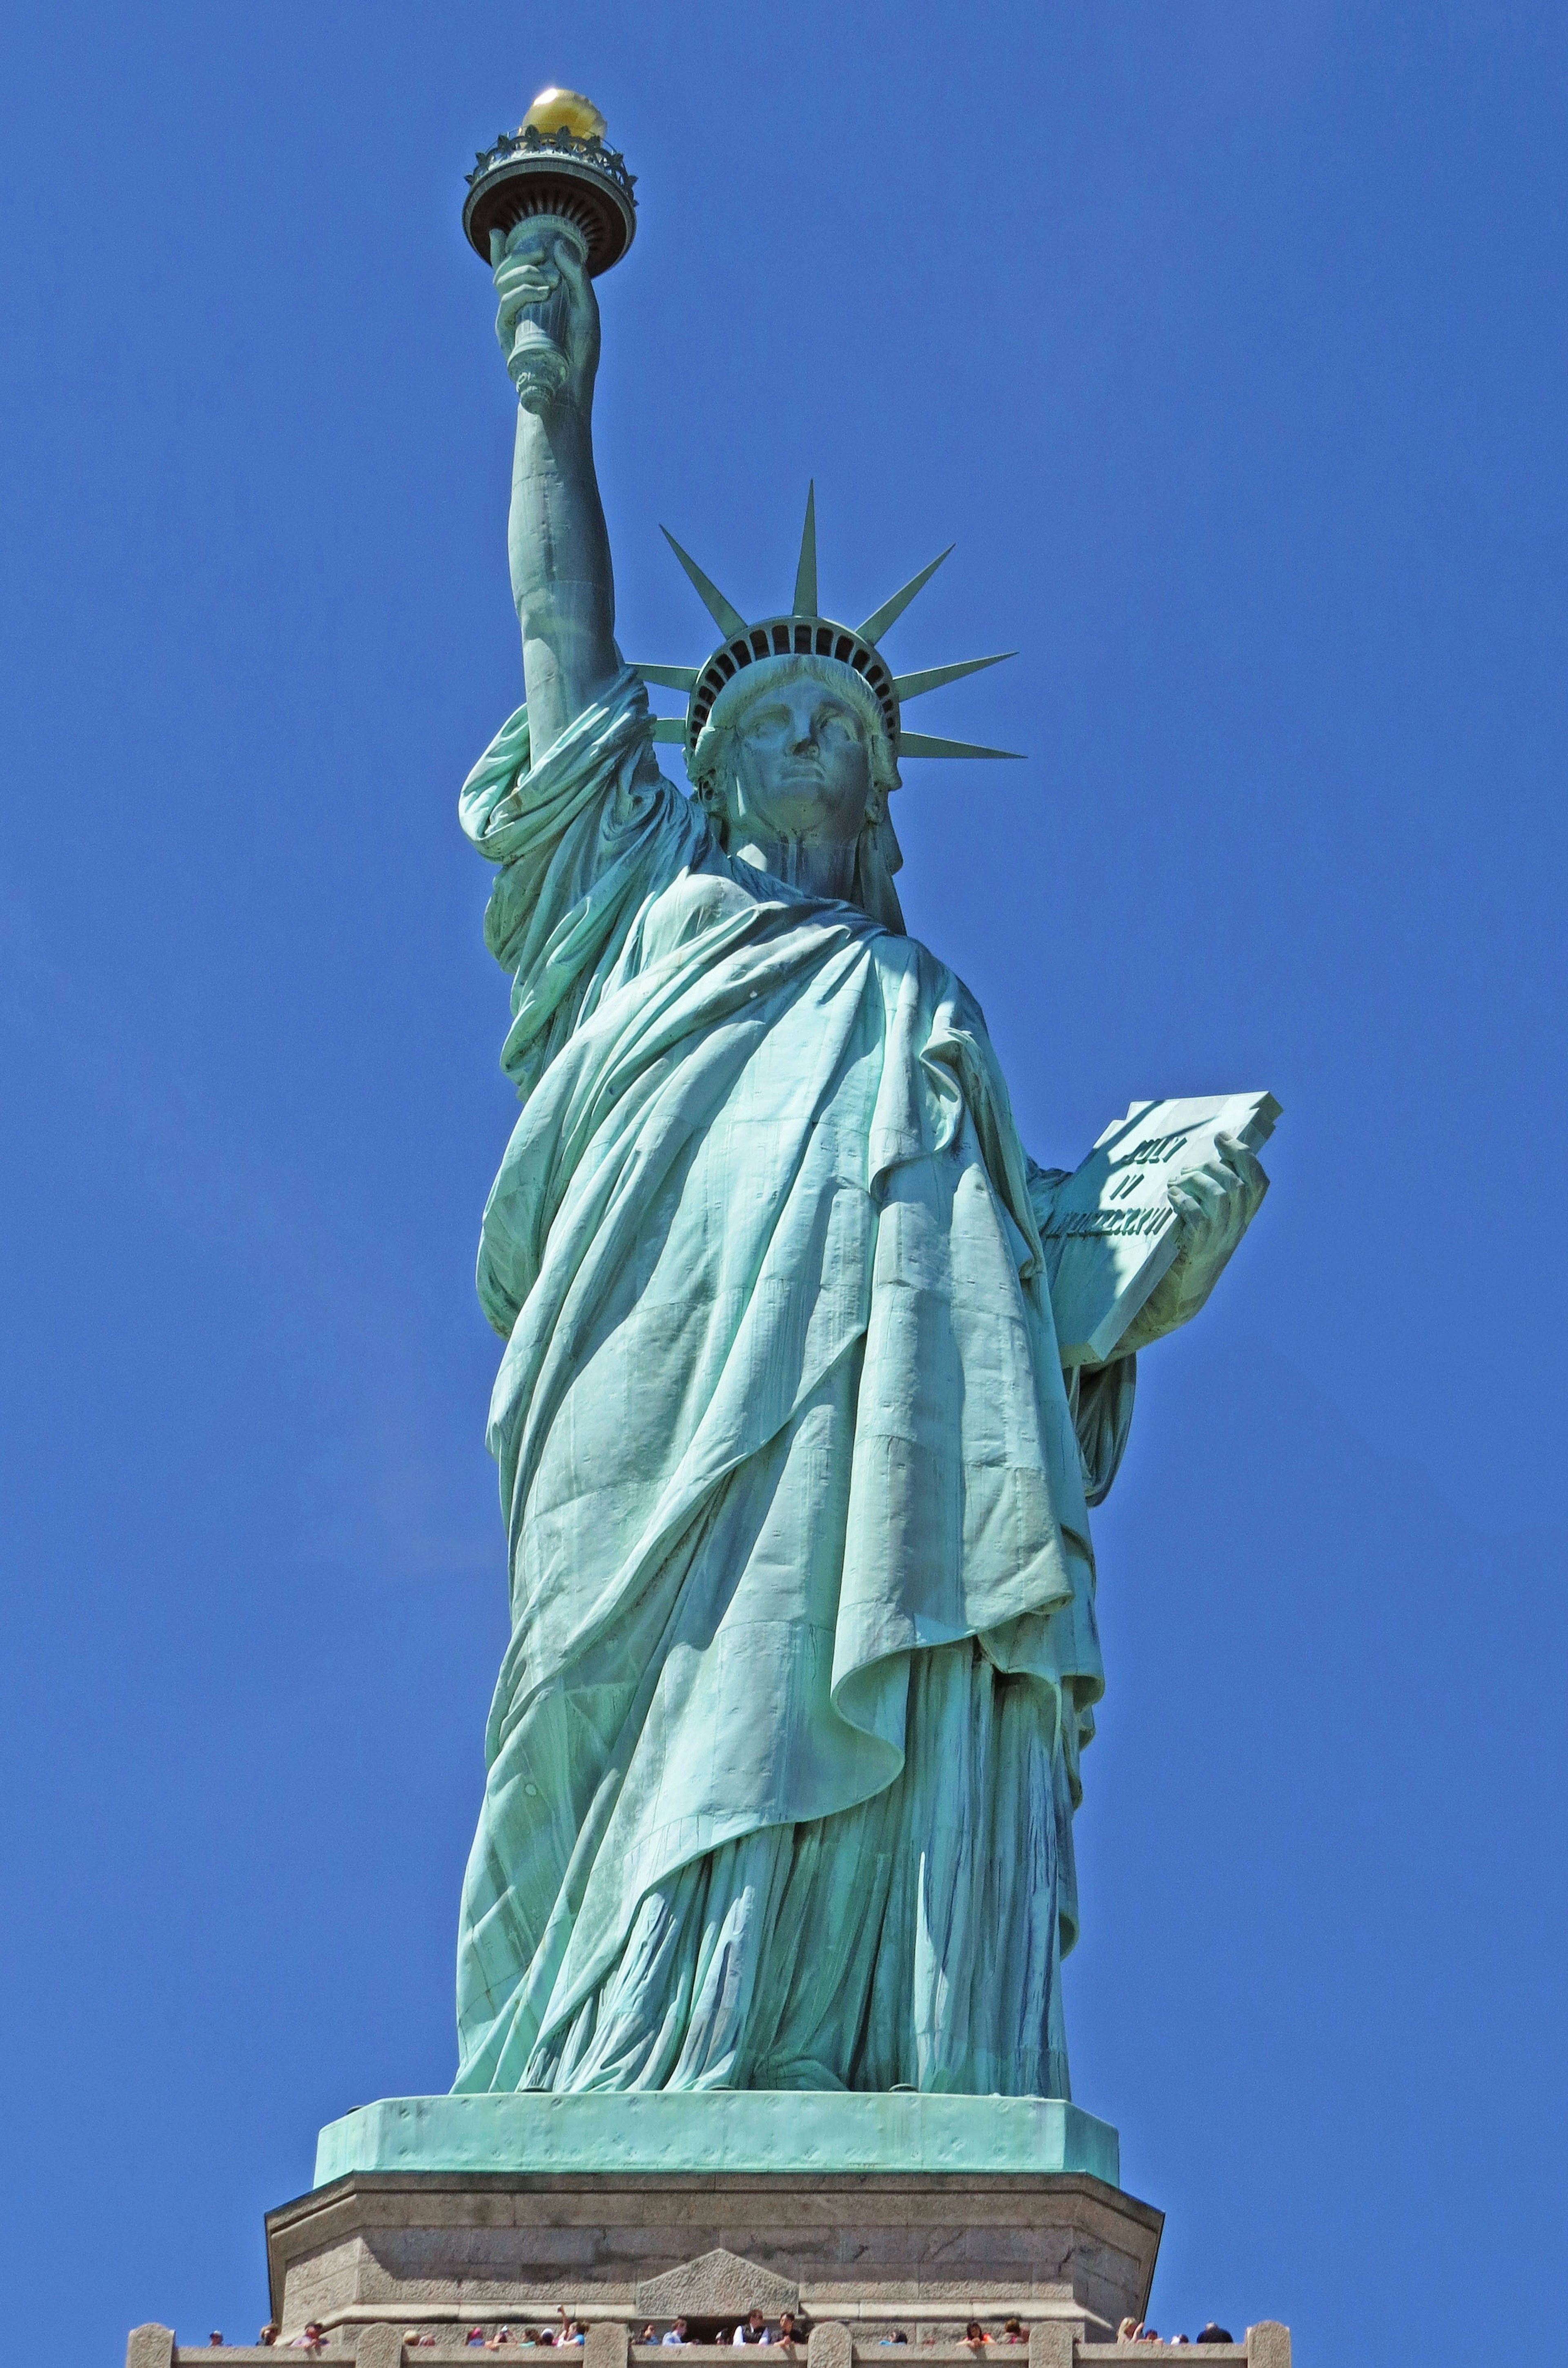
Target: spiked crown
x,y
805,634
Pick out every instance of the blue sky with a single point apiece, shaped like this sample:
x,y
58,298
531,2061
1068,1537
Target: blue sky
x,y
1229,343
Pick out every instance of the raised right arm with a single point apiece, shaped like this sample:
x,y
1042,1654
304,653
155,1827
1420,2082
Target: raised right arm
x,y
562,586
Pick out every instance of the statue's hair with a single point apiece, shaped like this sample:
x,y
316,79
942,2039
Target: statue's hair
x,y
711,766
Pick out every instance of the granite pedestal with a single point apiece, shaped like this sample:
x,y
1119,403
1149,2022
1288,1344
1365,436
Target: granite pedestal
x,y
924,2251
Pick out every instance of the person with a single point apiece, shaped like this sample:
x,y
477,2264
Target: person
x,y
798,1488
974,2335
898,2336
573,2331
1212,2334
1130,2331
789,2329
314,2337
267,2337
503,2335
647,2336
677,2336
474,2339
753,2329
215,2341
1013,2331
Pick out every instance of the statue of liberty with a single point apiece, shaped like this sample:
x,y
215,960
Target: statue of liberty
x,y
785,1749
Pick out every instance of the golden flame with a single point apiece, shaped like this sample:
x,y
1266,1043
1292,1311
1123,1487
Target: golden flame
x,y
565,110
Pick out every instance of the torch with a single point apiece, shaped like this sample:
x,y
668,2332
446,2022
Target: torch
x,y
555,174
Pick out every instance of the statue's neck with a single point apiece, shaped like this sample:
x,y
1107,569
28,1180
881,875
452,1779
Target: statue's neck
x,y
812,865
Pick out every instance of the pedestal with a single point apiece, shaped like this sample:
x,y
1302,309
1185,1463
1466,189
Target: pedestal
x,y
871,2212
720,2130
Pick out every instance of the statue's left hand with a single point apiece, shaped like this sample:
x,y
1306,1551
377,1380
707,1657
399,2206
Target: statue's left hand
x,y
1214,1203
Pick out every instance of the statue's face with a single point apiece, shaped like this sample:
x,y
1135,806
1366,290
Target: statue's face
x,y
803,766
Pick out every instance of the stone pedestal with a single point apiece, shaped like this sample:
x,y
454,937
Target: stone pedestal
x,y
872,2251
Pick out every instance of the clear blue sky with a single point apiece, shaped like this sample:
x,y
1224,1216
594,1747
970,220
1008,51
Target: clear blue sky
x,y
1229,343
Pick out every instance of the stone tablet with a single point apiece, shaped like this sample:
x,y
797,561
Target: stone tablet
x,y
1110,1230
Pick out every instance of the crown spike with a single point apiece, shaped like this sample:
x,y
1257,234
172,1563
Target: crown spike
x,y
663,678
913,686
891,610
729,621
670,730
806,573
921,743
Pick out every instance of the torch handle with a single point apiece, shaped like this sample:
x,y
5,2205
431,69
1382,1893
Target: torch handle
x,y
537,362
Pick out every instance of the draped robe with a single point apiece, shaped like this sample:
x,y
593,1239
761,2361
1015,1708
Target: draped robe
x,y
783,1754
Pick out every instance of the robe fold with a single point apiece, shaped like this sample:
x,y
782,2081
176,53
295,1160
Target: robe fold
x,y
783,1755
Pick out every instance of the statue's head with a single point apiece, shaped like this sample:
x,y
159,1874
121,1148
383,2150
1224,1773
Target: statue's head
x,y
797,748
794,726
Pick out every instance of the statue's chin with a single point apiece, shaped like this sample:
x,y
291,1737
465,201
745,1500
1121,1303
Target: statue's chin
x,y
806,805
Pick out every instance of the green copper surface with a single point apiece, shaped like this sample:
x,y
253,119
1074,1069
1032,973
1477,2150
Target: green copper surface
x,y
929,743
729,619
882,621
785,1750
805,601
745,2130
915,686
